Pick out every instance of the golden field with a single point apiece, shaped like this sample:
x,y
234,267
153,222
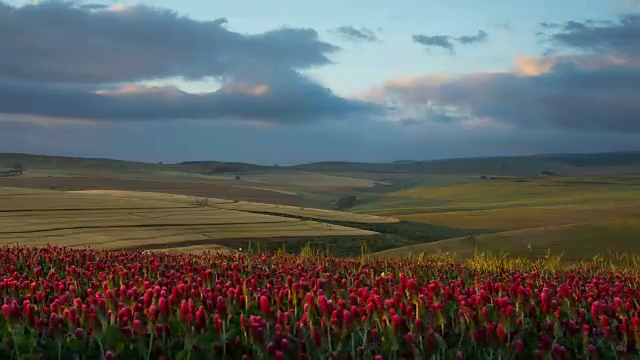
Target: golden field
x,y
126,220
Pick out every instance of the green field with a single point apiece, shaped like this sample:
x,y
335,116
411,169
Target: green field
x,y
515,218
497,204
573,242
579,216
510,192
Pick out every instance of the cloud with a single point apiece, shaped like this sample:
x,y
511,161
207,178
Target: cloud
x,y
59,42
601,37
382,141
88,62
284,98
472,39
353,34
448,42
593,87
443,41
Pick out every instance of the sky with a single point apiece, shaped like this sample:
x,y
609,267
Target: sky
x,y
288,82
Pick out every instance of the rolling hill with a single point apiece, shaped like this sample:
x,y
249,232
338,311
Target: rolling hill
x,y
628,162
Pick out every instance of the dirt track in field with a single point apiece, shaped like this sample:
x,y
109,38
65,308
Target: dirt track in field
x,y
170,187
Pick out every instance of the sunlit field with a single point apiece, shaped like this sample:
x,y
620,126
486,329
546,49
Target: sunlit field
x,y
117,220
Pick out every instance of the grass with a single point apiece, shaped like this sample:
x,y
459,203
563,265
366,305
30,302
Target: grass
x,y
578,217
307,212
573,242
503,193
511,204
524,217
313,180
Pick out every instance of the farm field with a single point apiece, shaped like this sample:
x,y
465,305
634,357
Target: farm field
x,y
516,218
301,189
511,193
574,243
122,220
393,209
264,184
158,305
200,189
308,179
576,217
248,206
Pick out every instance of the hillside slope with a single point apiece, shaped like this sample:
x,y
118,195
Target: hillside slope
x,y
575,242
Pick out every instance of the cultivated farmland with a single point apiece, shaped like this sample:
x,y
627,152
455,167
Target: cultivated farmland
x,y
121,220
247,206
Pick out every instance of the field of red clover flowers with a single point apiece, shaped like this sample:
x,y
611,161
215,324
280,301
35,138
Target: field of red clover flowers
x,y
61,303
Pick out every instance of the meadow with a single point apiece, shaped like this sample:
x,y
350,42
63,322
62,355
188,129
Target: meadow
x,y
574,243
579,217
118,260
62,303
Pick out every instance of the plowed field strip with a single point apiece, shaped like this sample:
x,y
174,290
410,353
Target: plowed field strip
x,y
91,209
158,225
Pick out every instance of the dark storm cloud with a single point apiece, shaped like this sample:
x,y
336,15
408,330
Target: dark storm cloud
x,y
354,34
60,42
174,142
448,42
60,60
594,91
289,98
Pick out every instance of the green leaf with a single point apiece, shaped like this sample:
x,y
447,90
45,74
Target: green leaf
x,y
442,344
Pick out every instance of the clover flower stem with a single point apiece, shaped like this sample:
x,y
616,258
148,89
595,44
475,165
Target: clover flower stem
x,y
100,344
150,345
15,343
364,338
189,351
224,340
353,346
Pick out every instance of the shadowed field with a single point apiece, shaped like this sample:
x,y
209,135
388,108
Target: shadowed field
x,y
200,189
573,242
